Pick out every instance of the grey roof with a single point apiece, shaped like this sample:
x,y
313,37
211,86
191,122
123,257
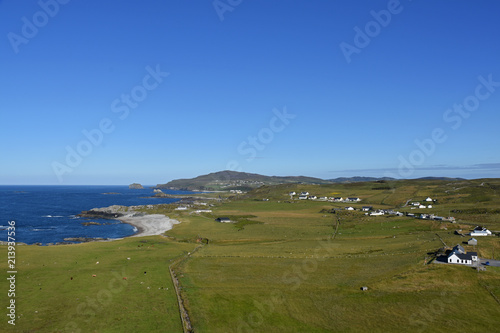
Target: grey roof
x,y
466,256
459,248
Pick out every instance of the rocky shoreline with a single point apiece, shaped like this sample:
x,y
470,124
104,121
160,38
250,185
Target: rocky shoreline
x,y
145,224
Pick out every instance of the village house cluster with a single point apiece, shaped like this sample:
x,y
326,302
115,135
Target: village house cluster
x,y
426,204
308,196
458,255
225,184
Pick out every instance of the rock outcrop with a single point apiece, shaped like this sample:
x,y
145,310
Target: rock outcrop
x,y
136,186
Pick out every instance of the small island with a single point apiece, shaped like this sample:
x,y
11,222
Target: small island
x,y
136,186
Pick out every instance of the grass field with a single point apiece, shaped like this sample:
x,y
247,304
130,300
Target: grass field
x,y
287,266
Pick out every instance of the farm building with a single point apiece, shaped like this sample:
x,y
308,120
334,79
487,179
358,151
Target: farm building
x,y
472,241
480,231
223,219
366,208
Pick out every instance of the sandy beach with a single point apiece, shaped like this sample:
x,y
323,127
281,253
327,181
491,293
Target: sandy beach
x,y
145,224
149,225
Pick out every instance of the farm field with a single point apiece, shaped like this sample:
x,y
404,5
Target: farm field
x,y
286,265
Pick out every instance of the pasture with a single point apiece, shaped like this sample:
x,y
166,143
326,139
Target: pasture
x,y
292,266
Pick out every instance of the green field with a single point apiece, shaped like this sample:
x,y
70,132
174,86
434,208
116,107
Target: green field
x,y
286,266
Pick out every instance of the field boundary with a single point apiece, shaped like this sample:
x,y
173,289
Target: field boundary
x,y
186,322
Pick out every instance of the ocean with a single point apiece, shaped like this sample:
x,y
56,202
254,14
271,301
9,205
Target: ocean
x,y
47,214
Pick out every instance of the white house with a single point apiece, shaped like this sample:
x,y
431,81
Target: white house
x,y
303,197
313,197
464,259
181,208
377,213
480,231
304,193
338,199
421,206
459,256
323,198
429,199
352,200
292,193
349,208
366,208
429,206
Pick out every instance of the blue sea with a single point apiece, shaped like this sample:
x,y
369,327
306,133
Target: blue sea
x,y
47,214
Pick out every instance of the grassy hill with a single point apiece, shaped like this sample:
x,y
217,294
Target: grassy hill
x,y
233,180
228,180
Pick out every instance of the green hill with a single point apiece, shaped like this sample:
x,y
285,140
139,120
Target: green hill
x,y
234,180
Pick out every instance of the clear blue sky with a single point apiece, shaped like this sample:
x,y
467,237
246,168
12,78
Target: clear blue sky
x,y
319,88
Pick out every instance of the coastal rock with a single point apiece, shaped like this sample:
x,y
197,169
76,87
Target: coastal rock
x,y
136,186
162,195
91,223
109,213
84,239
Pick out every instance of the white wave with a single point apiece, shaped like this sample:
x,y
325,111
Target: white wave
x,y
43,228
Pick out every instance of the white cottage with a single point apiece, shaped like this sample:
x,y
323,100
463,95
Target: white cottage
x,y
480,231
459,256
